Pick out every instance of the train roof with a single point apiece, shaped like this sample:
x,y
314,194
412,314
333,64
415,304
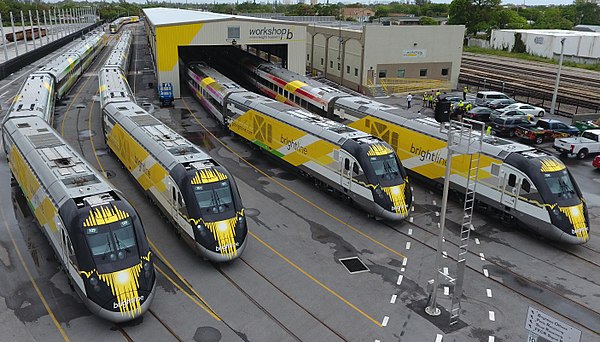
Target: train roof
x,y
222,84
492,145
113,86
309,85
34,97
166,145
63,171
120,52
59,67
330,130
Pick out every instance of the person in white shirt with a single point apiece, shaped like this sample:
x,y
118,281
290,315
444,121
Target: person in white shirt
x,y
409,99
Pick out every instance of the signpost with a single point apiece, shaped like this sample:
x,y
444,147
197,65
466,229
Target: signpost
x,y
541,325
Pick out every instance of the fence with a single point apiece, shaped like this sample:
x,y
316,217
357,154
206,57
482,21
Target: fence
x,y
389,86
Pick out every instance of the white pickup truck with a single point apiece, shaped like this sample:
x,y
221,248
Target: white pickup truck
x,y
588,142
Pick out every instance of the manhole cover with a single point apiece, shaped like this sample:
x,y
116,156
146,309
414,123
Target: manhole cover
x,y
354,265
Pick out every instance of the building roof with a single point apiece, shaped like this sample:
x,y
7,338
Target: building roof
x,y
161,16
557,33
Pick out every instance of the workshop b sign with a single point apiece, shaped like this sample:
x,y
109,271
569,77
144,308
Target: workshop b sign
x,y
541,325
270,33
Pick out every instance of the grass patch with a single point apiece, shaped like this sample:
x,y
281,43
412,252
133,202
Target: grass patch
x,y
528,57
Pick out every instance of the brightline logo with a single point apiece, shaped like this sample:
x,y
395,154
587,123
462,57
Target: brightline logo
x,y
435,157
271,33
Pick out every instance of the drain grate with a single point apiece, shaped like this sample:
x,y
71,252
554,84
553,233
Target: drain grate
x,y
354,265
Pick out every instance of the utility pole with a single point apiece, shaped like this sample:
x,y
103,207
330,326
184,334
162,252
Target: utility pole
x,y
560,61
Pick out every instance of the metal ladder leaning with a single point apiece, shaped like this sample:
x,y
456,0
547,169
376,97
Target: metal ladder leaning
x,y
472,176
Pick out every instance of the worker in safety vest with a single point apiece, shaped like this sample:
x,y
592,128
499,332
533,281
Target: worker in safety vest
x,y
438,93
465,91
488,130
468,107
424,99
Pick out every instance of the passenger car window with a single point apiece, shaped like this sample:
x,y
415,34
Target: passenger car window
x,y
512,180
347,164
525,185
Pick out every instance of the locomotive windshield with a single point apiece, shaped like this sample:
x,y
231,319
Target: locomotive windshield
x,y
112,242
385,166
560,184
214,198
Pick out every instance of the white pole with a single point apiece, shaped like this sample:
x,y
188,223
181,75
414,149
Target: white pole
x,y
560,61
32,32
3,39
46,27
432,308
12,24
24,33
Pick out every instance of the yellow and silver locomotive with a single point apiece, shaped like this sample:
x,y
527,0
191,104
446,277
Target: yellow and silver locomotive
x,y
96,234
197,194
355,164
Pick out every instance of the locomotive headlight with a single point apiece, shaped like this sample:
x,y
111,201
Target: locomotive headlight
x,y
202,229
94,281
379,192
146,266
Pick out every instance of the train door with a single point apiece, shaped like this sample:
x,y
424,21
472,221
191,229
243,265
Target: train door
x,y
510,184
346,165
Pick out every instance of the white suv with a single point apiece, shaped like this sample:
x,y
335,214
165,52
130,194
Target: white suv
x,y
485,96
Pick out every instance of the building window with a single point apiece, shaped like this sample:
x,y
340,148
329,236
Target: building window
x,y
400,73
445,72
339,66
307,57
331,64
355,71
233,32
382,73
321,61
347,69
423,72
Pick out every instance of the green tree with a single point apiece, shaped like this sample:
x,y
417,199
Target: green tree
x,y
508,19
586,13
428,21
553,18
476,15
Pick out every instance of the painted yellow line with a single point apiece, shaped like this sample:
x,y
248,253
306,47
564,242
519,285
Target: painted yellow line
x,y
210,312
349,226
166,261
316,281
33,282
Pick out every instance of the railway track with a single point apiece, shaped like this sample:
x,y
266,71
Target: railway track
x,y
532,79
577,312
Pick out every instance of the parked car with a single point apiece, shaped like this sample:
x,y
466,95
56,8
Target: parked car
x,y
510,113
479,113
596,162
500,103
585,125
546,129
525,108
588,142
484,97
506,125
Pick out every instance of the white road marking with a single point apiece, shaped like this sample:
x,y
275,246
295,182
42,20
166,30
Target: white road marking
x,y
492,316
482,256
437,213
438,338
485,273
489,292
393,300
412,209
377,341
404,261
444,254
400,277
402,269
446,291
491,338
445,270
434,202
408,245
385,321
476,240
410,229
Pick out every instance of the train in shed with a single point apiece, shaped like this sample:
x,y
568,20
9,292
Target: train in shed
x,y
526,185
356,165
